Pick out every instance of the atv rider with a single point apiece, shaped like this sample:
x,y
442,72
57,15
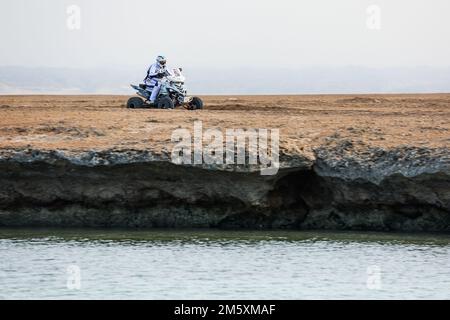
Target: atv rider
x,y
155,73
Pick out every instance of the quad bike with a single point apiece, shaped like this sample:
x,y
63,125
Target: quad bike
x,y
172,94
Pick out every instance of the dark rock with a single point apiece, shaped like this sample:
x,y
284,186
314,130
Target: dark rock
x,y
344,187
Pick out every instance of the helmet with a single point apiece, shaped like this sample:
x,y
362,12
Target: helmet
x,y
161,60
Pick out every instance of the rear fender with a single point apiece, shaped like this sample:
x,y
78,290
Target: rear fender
x,y
143,93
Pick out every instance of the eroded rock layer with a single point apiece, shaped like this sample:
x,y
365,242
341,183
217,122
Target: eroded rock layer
x,y
405,189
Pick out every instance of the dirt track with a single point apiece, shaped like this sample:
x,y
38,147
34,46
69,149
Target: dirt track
x,y
103,122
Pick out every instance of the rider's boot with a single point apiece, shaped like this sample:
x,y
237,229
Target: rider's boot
x,y
150,103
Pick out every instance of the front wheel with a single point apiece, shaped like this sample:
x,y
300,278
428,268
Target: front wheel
x,y
196,104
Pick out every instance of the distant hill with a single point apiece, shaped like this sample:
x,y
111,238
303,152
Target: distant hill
x,y
16,80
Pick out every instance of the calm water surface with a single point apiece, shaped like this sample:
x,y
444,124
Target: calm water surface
x,y
193,264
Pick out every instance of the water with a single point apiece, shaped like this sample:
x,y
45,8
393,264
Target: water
x,y
171,264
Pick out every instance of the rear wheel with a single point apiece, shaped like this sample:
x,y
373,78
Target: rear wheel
x,y
135,102
165,103
196,104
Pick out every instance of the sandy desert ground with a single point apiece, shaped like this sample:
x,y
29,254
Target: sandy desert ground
x,y
102,122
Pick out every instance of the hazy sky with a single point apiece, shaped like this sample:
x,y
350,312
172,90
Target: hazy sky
x,y
228,34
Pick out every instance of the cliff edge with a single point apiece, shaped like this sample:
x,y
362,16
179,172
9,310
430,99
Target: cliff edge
x,y
346,162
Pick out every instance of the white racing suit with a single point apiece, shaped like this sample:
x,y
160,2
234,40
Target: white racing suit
x,y
153,79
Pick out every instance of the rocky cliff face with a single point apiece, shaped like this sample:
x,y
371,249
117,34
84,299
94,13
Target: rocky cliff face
x,y
341,186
